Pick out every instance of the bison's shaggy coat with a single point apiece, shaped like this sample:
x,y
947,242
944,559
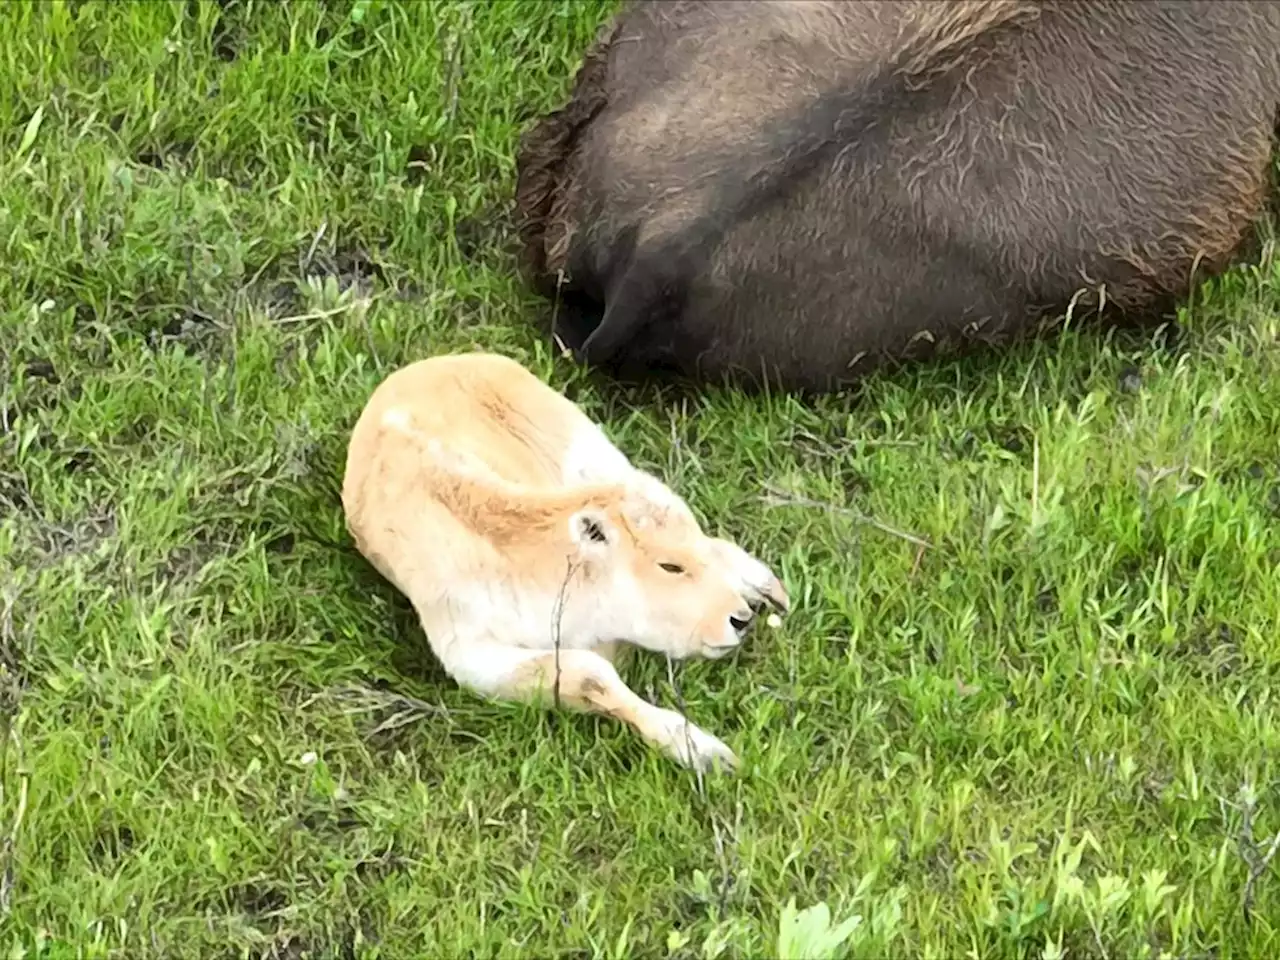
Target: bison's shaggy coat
x,y
803,189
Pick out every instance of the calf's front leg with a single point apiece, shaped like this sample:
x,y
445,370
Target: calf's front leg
x,y
589,683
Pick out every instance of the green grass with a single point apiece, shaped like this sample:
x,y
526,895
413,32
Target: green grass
x,y
224,734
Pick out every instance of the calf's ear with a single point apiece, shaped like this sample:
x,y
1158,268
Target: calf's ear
x,y
591,531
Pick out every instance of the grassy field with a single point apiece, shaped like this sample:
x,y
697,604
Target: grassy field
x,y
1051,732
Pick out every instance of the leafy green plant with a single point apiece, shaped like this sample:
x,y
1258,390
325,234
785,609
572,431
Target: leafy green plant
x,y
808,934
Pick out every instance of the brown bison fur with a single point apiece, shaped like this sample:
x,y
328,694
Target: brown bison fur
x,y
800,190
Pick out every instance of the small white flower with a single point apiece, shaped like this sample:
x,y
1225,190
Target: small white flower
x,y
308,758
774,621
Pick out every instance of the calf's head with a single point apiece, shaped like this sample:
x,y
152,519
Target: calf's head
x,y
656,580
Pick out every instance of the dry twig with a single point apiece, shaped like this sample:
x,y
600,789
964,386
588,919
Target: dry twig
x,y
1251,851
776,498
722,860
558,614
358,699
684,712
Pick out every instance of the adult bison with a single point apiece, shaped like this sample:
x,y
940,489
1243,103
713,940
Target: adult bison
x,y
801,189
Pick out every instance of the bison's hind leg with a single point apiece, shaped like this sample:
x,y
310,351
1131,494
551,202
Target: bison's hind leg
x,y
573,317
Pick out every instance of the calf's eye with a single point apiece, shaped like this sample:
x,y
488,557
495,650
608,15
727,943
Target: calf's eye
x,y
672,567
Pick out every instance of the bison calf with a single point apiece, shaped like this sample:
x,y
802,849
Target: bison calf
x,y
532,549
797,191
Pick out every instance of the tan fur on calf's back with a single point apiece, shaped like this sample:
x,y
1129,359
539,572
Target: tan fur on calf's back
x,y
530,546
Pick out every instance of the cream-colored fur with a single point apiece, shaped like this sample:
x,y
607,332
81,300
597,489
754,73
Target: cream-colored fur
x,y
506,516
